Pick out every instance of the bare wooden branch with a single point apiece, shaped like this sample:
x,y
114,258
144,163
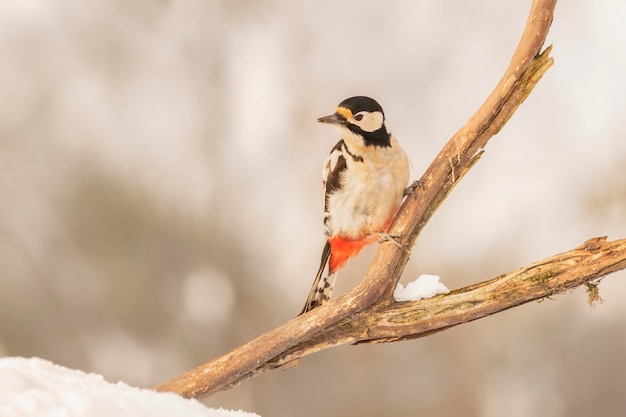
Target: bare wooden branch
x,y
368,313
409,320
395,321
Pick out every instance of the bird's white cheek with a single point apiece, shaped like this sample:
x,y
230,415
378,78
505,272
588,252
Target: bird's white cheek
x,y
372,122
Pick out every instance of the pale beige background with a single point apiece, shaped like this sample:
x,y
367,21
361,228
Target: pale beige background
x,y
160,193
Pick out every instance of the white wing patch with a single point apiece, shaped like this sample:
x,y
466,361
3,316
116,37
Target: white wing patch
x,y
331,163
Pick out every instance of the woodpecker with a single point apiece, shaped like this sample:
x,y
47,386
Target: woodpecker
x,y
364,179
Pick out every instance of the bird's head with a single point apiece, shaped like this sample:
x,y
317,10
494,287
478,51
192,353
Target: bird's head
x,y
361,116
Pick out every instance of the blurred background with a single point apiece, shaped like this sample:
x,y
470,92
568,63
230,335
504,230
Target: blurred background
x,y
160,194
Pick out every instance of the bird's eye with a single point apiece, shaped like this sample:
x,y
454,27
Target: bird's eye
x,y
358,117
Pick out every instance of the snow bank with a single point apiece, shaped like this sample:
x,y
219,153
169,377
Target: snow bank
x,y
38,388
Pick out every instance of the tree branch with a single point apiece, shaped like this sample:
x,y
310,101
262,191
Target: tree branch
x,y
409,320
368,313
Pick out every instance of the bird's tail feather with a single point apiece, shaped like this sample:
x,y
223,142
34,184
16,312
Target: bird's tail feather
x,y
322,287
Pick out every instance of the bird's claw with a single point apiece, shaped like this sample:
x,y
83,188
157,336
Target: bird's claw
x,y
411,188
386,237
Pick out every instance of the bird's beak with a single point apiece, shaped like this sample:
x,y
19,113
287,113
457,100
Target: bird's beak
x,y
333,119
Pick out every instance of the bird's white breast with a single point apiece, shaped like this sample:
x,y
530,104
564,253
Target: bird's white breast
x,y
371,191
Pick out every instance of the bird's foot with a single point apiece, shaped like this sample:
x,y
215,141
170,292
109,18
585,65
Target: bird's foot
x,y
386,237
411,188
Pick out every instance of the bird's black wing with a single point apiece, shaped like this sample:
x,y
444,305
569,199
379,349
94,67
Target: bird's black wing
x,y
334,166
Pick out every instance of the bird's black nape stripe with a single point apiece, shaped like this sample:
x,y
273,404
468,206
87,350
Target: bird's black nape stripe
x,y
355,158
379,137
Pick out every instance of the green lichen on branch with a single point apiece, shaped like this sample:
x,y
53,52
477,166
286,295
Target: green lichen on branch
x,y
541,278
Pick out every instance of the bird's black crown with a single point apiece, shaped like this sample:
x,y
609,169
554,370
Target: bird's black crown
x,y
361,103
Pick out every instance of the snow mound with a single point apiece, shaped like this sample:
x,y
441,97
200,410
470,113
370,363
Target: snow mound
x,y
39,388
425,286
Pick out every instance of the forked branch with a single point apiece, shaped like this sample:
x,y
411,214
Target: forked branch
x,y
368,313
